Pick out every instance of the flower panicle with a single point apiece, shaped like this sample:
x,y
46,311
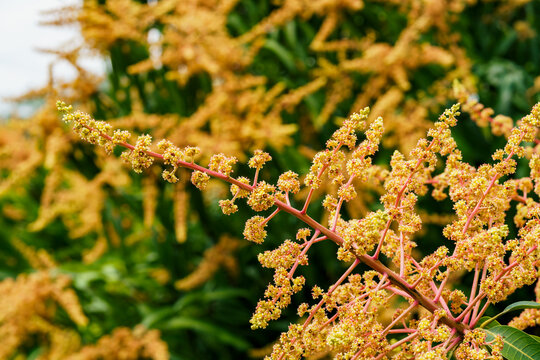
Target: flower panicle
x,y
346,320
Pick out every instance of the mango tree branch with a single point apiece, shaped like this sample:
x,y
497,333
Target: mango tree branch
x,y
374,264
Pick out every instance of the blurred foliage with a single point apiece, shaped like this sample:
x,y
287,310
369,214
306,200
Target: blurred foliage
x,y
99,263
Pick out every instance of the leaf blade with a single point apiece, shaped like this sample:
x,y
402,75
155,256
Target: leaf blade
x,y
225,336
487,322
518,345
520,305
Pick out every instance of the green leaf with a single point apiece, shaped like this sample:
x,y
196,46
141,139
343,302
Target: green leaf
x,y
520,305
281,53
487,322
35,354
152,318
537,338
185,323
205,297
518,345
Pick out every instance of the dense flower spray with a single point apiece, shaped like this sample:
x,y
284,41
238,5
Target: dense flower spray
x,y
432,318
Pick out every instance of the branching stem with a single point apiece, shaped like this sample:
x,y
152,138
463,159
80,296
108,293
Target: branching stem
x,y
371,262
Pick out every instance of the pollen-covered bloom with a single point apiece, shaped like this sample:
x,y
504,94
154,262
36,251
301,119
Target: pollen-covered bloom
x,y
171,156
138,157
222,164
262,196
228,207
288,182
254,229
258,159
200,179
239,192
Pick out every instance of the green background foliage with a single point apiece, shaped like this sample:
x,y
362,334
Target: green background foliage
x,y
212,321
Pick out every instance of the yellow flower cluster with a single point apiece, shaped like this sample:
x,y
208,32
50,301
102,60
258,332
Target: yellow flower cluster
x,y
279,297
239,192
125,344
361,235
243,111
200,179
283,257
330,160
254,230
345,321
138,157
471,348
222,164
27,309
259,159
288,182
262,197
171,156
189,46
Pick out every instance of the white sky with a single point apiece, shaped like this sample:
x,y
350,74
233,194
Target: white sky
x,y
22,67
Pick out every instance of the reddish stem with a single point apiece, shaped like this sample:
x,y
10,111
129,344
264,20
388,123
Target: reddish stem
x,y
373,263
473,290
476,318
270,216
397,344
319,174
401,316
398,199
330,291
491,183
304,251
